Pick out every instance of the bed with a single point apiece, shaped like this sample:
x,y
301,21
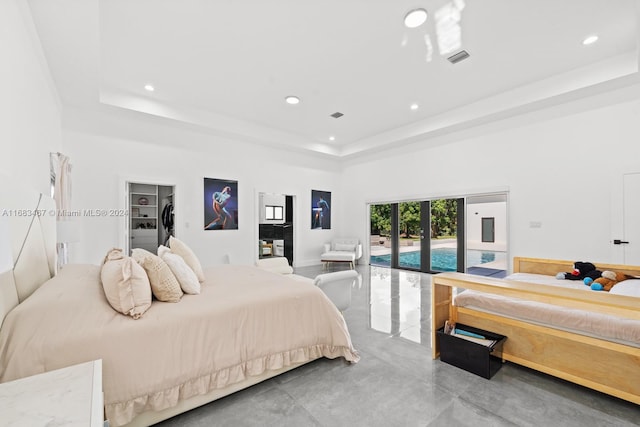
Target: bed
x,y
593,358
245,326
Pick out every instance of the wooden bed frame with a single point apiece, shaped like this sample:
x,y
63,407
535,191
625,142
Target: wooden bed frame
x,y
602,365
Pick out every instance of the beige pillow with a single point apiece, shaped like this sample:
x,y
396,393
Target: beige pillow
x,y
178,247
185,275
164,285
125,284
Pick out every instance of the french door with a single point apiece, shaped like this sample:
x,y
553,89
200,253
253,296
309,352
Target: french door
x,y
426,236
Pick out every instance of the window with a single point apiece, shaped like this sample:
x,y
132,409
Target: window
x,y
273,213
488,230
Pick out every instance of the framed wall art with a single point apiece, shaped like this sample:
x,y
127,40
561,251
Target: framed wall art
x,y
220,204
320,210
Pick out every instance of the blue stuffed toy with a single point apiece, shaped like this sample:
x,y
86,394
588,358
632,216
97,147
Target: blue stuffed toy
x,y
595,286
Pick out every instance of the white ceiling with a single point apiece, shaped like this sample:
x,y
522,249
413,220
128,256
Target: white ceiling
x,y
227,65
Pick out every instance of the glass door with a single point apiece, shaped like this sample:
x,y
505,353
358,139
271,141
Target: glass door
x,y
425,236
447,230
487,234
409,232
380,234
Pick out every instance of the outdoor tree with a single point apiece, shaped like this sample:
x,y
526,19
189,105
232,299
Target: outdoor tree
x,y
410,219
380,219
444,218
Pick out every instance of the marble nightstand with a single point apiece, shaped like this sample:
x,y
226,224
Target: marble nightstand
x,y
69,396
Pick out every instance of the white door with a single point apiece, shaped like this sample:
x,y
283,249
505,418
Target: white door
x,y
631,219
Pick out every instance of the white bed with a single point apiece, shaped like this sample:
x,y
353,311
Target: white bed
x,y
614,328
247,325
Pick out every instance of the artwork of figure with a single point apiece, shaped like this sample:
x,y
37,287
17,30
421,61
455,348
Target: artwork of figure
x,y
320,210
221,208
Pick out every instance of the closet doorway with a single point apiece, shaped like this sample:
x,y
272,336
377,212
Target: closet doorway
x,y
151,215
275,226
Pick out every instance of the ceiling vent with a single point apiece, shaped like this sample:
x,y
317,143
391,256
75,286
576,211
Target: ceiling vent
x,y
337,115
460,56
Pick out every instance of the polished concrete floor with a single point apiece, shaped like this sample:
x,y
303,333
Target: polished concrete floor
x,y
397,384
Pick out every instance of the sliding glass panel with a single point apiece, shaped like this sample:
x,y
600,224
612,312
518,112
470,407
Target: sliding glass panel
x,y
444,233
409,235
380,231
487,235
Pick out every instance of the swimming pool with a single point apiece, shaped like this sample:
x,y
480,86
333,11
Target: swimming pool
x,y
442,259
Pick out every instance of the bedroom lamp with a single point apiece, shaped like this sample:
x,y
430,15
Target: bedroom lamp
x,y
66,232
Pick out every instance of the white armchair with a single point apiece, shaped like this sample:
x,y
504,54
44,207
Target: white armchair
x,y
342,250
337,286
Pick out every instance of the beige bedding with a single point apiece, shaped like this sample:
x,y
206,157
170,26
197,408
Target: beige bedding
x,y
244,322
612,328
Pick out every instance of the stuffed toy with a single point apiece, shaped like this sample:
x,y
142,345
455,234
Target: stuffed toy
x,y
581,270
608,280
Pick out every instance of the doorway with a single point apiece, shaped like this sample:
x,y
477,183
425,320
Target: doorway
x,y
151,215
630,240
275,226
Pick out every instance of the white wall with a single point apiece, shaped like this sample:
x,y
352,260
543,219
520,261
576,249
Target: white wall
x,y
564,172
473,224
105,158
29,107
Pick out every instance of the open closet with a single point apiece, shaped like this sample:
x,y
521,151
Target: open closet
x,y
151,215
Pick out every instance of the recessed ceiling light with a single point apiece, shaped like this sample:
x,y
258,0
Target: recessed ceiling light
x,y
590,40
414,18
332,138
149,88
293,100
414,106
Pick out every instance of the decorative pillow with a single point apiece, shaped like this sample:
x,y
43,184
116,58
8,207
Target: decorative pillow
x,y
629,287
163,250
125,284
164,285
345,247
180,248
185,275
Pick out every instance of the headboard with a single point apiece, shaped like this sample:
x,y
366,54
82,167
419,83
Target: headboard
x,y
27,242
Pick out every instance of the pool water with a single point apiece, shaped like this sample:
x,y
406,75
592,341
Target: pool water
x,y
442,259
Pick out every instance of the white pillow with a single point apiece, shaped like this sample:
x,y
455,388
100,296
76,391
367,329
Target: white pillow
x,y
630,287
164,285
185,275
180,248
163,250
345,247
125,284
